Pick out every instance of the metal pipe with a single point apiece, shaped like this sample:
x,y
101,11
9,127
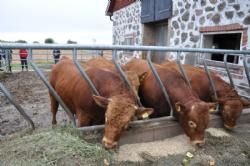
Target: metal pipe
x,y
154,122
162,87
211,82
228,72
183,72
124,77
84,74
51,89
246,69
242,86
217,70
119,47
18,107
247,97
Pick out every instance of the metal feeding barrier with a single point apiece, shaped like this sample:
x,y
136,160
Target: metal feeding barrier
x,y
114,49
18,107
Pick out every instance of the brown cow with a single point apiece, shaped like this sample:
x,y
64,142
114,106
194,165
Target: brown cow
x,y
119,103
103,63
192,113
232,104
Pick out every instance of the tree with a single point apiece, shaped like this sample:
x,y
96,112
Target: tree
x,y
21,41
71,42
49,41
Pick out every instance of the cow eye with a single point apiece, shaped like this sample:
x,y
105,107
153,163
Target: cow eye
x,y
192,124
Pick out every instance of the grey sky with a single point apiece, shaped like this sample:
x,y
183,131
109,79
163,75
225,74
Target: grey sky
x,y
78,20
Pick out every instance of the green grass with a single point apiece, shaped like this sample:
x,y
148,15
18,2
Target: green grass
x,y
42,64
59,146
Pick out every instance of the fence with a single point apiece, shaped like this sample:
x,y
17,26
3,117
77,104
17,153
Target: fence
x,y
74,48
44,58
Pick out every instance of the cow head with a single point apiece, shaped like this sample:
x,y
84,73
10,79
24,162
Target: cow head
x,y
120,111
134,80
231,111
194,120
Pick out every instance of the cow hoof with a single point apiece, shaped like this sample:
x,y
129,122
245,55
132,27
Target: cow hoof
x,y
53,126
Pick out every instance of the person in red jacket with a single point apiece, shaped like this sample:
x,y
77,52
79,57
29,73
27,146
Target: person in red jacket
x,y
23,53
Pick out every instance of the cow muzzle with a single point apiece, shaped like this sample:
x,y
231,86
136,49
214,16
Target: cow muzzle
x,y
108,143
229,127
198,142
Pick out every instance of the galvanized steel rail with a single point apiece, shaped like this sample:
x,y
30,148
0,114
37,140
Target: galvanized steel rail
x,y
124,77
18,107
84,74
227,70
246,70
158,79
119,47
115,48
183,72
50,88
211,83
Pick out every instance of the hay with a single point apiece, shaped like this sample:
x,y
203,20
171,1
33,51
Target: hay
x,y
61,146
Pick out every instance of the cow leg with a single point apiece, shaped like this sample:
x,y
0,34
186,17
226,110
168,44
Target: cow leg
x,y
54,108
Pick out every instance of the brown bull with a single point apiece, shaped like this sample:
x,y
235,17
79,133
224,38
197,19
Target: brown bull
x,y
103,63
116,106
192,113
231,103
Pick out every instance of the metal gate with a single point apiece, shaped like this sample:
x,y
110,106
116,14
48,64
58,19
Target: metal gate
x,y
114,49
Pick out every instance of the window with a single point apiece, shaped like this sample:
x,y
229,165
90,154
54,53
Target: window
x,y
155,10
230,41
129,39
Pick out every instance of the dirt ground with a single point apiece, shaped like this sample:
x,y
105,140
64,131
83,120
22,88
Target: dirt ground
x,y
30,92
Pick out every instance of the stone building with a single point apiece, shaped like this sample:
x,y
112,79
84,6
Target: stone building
x,y
220,24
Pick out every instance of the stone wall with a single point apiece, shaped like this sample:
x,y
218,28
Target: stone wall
x,y
127,28
190,16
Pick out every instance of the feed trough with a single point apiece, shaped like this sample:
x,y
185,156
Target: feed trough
x,y
153,129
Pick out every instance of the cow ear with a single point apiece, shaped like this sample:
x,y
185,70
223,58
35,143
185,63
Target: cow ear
x,y
143,113
101,101
142,76
179,107
245,103
221,100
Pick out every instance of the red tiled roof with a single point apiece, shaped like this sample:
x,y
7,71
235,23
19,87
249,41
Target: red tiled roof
x,y
115,5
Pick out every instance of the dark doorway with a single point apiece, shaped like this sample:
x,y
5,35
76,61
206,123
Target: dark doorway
x,y
224,41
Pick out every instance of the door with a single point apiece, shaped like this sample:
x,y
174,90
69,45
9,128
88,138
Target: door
x,y
161,37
